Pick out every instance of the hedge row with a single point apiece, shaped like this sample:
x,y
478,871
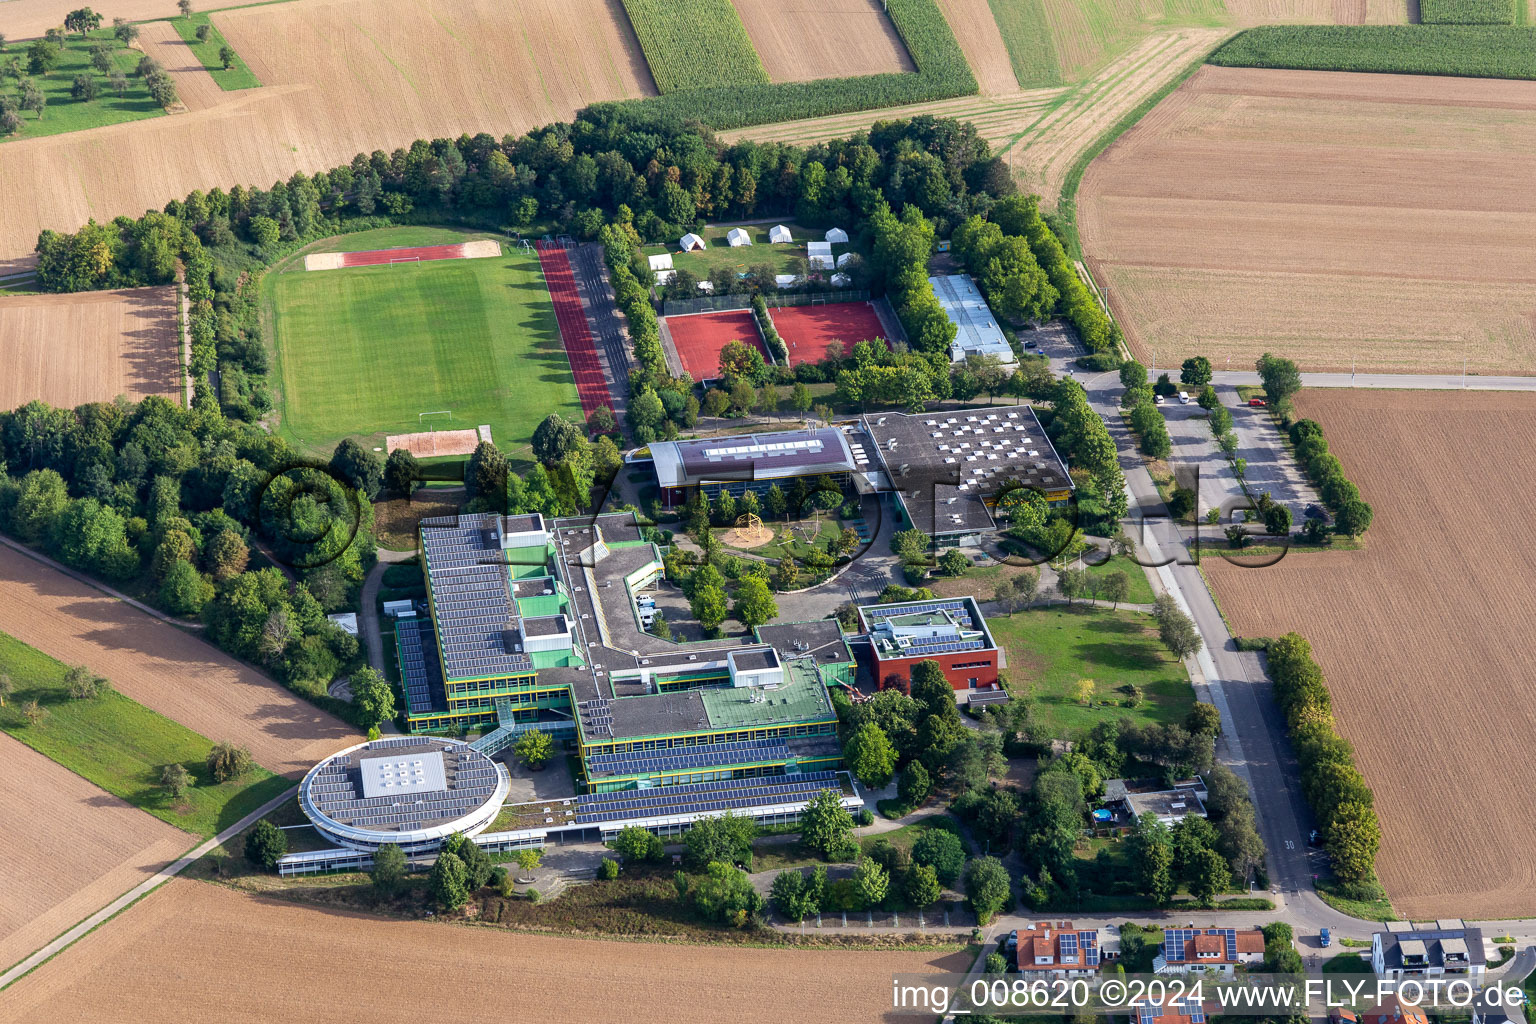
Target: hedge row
x,y
770,332
695,44
1020,215
1467,12
1351,514
942,72
621,252
1341,801
1475,51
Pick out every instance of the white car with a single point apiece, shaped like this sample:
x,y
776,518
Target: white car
x,y
1160,399
1183,398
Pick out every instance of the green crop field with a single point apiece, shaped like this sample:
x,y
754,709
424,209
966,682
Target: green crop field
x,y
1027,35
237,77
1475,51
1050,649
694,44
361,352
121,746
62,112
1467,12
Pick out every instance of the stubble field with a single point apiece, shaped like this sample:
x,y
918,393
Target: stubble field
x,y
164,668
799,42
339,77
194,951
976,31
1422,636
82,849
88,347
1380,222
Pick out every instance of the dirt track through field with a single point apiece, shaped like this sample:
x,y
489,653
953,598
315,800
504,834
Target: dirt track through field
x,y
82,849
804,40
1381,222
976,31
164,668
88,347
1424,638
339,77
193,951
195,87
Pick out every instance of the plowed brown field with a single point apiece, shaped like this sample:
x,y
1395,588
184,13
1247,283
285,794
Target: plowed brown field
x,y
83,848
339,77
1376,221
1424,637
195,87
976,31
88,347
801,41
164,668
194,952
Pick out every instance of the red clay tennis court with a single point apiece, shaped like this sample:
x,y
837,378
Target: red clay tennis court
x,y
699,337
807,330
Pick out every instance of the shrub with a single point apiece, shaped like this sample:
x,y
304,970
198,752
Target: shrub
x,y
265,843
608,869
941,850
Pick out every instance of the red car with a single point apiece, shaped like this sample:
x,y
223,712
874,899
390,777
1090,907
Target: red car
x,y
1257,402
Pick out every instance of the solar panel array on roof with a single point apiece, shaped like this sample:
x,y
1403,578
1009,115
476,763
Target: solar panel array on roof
x,y
959,609
1146,1014
702,797
419,672
472,598
1176,942
335,788
1090,941
680,759
1068,944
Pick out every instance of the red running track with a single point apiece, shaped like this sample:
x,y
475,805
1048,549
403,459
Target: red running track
x,y
421,253
574,331
807,330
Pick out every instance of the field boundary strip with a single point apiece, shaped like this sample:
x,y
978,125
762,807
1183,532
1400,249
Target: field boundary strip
x,y
575,333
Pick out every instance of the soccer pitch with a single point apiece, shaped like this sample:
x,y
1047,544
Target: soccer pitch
x,y
361,352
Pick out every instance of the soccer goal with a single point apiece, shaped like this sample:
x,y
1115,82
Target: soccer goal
x,y
432,422
405,259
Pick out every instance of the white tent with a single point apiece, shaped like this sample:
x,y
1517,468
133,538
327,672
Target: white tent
x,y
841,280
820,262
815,249
706,286
662,262
837,236
779,233
844,259
664,276
785,280
690,242
738,237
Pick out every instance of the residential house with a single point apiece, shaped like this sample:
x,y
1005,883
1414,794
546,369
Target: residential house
x,y
1446,947
1054,950
1208,949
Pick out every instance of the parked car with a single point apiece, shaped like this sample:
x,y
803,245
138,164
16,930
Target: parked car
x,y
1257,402
1031,343
1160,399
1324,939
1183,397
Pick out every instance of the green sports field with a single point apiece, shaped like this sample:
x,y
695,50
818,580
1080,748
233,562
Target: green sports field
x,y
360,352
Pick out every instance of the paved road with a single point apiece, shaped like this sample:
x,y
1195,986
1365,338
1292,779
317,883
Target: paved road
x,y
1410,381
607,325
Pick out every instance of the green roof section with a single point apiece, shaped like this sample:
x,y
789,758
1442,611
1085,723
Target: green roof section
x,y
526,563
541,605
802,698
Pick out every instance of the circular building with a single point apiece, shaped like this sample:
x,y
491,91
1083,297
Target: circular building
x,y
412,791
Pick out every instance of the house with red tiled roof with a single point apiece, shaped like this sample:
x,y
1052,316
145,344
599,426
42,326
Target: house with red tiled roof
x,y
1393,1010
1055,949
1208,949
1169,1010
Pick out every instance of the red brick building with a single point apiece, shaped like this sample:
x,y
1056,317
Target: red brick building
x,y
950,631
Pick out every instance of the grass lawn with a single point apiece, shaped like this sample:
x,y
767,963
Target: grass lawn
x,y
903,838
121,746
981,581
1050,649
720,253
1346,963
238,76
787,538
1366,910
1141,588
361,351
64,113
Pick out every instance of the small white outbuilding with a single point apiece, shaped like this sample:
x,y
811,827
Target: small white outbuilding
x,y
841,280
837,236
814,249
820,262
691,243
785,280
664,276
779,233
662,261
738,237
706,287
845,259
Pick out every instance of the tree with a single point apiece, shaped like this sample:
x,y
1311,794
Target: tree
x,y
754,603
1082,690
449,882
227,761
1072,583
125,31
872,882
226,555
534,749
176,779
1176,629
84,88
1208,399
117,81
184,591
388,867
359,467
6,688
1116,587
42,56
725,838
1203,719
986,888
1132,374
1277,520
477,863
931,689
1352,841
83,684
373,698
870,755
793,896
265,843
825,825
910,545
921,886
1151,853
185,6
402,473
528,860
485,475
636,844
709,606
1280,377
1209,875
1353,518
954,562
202,32
34,713
1196,371
82,20
727,895
915,784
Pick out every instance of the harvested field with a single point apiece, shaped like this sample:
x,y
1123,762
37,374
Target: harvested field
x,y
24,19
1318,12
195,87
339,78
1421,636
1087,33
88,347
976,31
1381,222
171,959
83,849
803,41
164,668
